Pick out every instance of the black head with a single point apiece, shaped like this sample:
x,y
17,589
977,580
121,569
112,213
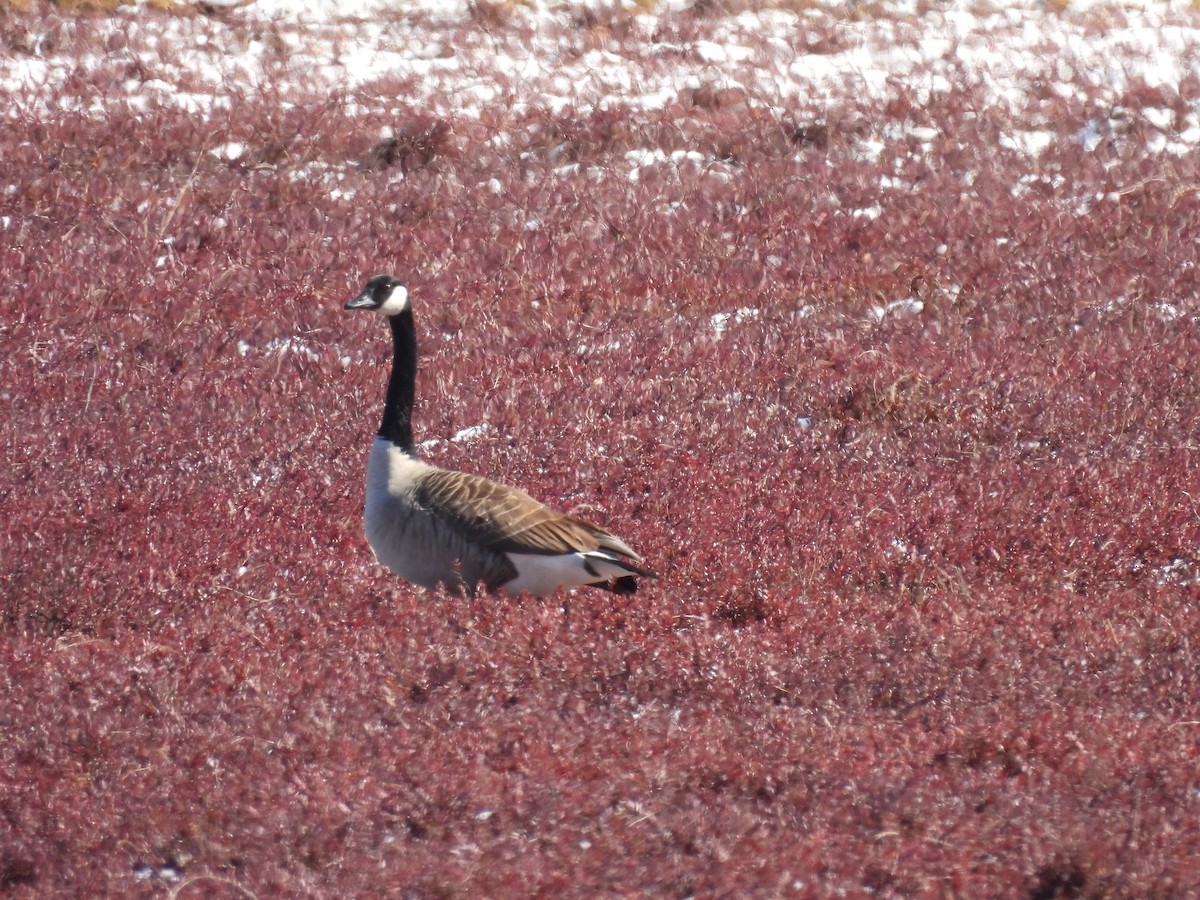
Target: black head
x,y
384,294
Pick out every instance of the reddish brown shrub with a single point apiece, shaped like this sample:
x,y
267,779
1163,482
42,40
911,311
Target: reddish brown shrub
x,y
902,411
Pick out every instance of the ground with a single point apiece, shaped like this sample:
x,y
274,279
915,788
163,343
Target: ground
x,y
874,328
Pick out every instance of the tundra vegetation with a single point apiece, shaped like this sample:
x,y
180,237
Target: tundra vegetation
x,y
881,349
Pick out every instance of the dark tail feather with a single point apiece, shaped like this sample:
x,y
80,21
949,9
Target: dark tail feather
x,y
632,569
622,584
626,584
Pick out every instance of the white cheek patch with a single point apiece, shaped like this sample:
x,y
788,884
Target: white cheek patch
x,y
396,302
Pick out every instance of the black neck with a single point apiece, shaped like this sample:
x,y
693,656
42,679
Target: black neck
x,y
397,409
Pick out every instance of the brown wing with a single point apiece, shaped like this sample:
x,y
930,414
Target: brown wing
x,y
508,520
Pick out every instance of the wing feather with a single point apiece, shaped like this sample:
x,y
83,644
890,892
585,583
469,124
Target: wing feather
x,y
507,520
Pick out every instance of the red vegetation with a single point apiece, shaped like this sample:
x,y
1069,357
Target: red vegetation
x,y
927,621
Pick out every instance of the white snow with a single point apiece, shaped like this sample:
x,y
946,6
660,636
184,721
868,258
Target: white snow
x,y
1178,571
470,433
1030,143
465,435
229,151
280,346
381,55
720,321
908,306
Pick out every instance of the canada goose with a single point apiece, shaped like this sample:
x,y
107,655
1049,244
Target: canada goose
x,y
436,527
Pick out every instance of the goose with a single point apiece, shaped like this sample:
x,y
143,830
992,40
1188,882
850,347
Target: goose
x,y
439,528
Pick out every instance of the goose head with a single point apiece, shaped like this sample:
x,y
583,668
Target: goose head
x,y
382,294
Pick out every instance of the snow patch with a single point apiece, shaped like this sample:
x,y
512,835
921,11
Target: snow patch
x,y
280,346
720,321
470,433
230,151
909,306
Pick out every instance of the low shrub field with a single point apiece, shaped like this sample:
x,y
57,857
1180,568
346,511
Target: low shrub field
x,y
874,328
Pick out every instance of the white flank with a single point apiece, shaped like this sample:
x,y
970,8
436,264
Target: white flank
x,y
540,574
